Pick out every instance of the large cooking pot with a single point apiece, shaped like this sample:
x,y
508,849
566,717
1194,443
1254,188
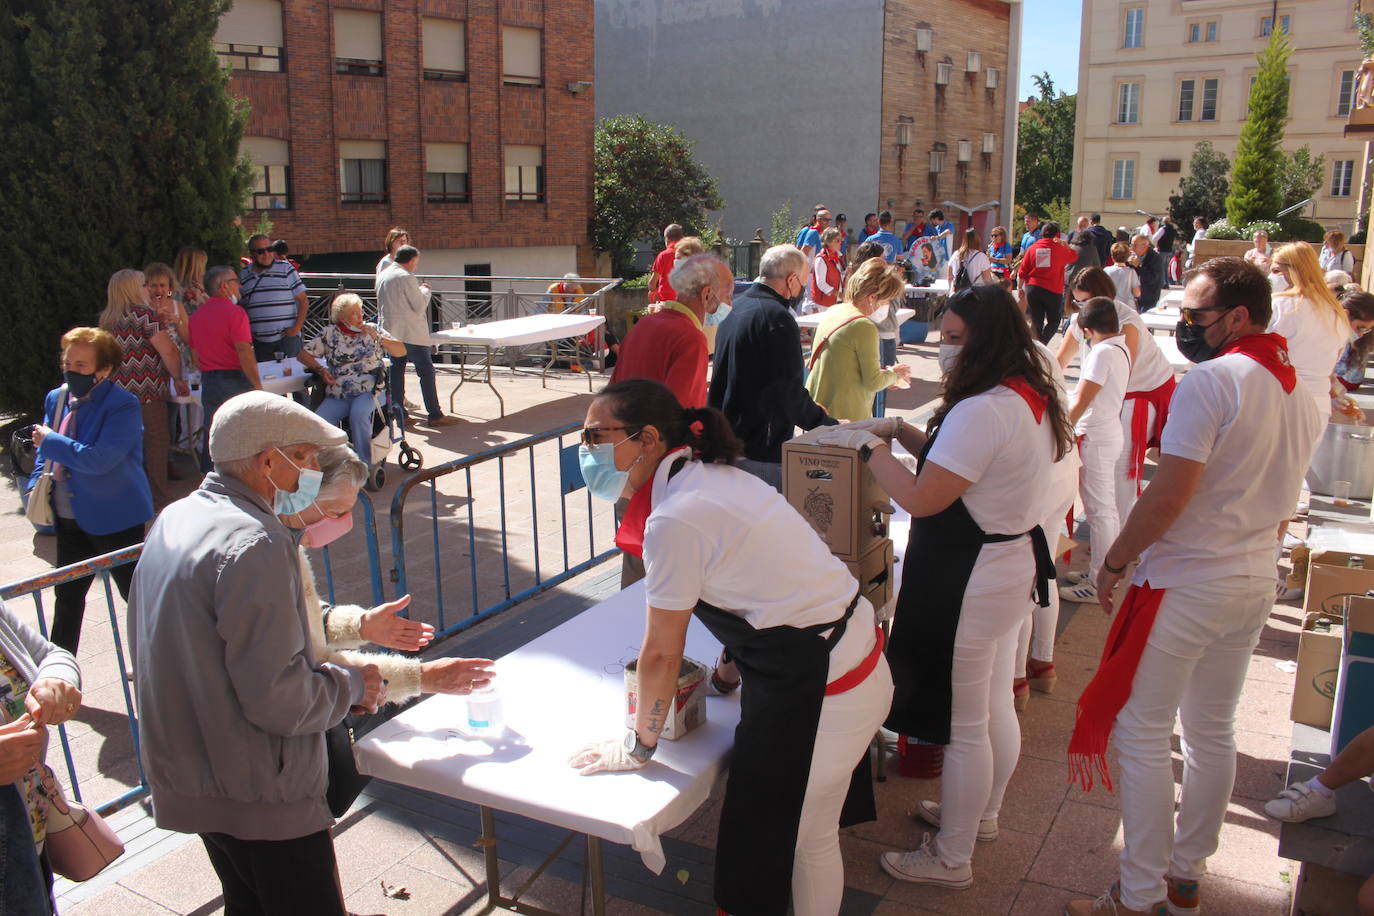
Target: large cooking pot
x,y
1345,452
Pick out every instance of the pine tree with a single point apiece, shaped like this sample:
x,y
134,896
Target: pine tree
x,y
121,146
1255,174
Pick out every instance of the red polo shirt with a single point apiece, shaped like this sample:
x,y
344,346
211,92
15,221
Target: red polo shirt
x,y
214,328
667,346
663,265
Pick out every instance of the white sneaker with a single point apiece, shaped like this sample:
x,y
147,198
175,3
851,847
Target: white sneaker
x,y
923,866
929,811
1300,802
1071,578
1083,593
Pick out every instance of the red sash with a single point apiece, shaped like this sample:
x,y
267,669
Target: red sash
x,y
1143,436
629,537
1034,399
1110,688
1271,352
860,672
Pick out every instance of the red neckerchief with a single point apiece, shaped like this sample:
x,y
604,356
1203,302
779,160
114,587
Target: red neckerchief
x,y
1271,352
1034,399
346,329
629,537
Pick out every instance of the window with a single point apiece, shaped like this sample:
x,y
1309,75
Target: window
x,y
1128,103
524,173
358,42
1195,33
446,172
1209,100
1123,179
520,53
1342,175
1170,166
445,49
1211,31
271,160
1345,94
362,171
249,36
1186,88
1134,33
1267,26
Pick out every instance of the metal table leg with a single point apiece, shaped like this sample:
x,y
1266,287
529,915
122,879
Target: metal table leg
x,y
594,871
598,876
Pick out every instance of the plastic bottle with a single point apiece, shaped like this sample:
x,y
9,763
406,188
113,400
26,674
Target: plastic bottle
x,y
484,712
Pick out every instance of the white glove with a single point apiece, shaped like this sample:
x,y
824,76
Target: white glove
x,y
606,756
884,428
848,437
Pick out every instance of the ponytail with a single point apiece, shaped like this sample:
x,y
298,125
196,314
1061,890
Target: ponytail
x,y
639,402
710,435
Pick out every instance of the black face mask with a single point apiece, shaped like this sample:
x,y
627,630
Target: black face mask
x,y
1192,342
79,385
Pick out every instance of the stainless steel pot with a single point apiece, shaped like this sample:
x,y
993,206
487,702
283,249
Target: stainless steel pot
x,y
1345,452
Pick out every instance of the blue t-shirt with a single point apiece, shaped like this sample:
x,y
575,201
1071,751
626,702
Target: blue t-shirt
x,y
812,237
942,246
912,234
891,244
999,251
1030,238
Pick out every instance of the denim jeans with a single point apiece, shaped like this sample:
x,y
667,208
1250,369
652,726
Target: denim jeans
x,y
216,387
24,890
263,350
424,368
887,356
358,410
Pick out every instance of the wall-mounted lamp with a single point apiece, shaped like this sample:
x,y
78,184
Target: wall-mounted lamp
x,y
577,87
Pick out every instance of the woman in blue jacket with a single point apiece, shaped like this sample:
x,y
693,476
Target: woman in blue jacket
x,y
92,432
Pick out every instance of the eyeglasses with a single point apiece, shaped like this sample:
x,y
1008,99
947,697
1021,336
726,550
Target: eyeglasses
x,y
258,251
1190,316
589,433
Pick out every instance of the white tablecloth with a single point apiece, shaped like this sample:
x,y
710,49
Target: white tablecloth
x,y
274,377
1161,319
813,320
560,692
519,332
936,288
1170,298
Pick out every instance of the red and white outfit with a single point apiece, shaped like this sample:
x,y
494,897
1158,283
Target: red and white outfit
x,y
1316,338
1182,639
1108,364
824,289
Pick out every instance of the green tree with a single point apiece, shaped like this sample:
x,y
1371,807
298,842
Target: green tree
x,y
1044,147
1203,191
1300,175
1255,174
646,178
121,146
782,229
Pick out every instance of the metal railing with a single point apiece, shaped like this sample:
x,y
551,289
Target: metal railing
x,y
513,521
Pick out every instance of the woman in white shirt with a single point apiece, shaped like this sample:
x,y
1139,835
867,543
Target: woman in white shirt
x,y
1335,256
1261,253
1311,318
976,559
719,543
394,239
970,266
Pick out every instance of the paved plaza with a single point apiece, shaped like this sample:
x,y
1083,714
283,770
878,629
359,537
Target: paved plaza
x,y
407,853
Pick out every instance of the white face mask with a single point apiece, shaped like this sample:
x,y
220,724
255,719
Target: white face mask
x,y
949,354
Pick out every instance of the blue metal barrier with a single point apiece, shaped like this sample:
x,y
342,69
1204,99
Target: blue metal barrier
x,y
569,479
374,556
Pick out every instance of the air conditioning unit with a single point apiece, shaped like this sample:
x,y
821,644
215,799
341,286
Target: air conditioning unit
x,y
974,62
989,143
965,150
925,38
944,71
994,78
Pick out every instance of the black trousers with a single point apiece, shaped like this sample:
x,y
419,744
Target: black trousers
x,y
277,877
1046,311
73,546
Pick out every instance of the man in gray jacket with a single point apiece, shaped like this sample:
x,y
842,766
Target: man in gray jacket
x,y
403,313
231,707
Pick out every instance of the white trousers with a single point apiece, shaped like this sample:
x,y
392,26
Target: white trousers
x,y
848,723
984,734
1043,621
1193,668
1097,489
1128,490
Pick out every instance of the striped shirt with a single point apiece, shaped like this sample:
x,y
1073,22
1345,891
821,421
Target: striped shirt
x,y
140,371
269,298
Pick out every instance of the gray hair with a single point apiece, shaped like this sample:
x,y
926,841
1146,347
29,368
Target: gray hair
x,y
571,275
341,466
217,276
239,468
342,303
1140,235
689,276
779,261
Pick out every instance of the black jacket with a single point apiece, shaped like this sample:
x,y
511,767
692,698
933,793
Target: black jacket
x,y
757,379
1102,238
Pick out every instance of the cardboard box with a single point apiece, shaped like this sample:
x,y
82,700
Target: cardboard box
x,y
836,493
689,705
1353,711
1314,687
874,572
1330,581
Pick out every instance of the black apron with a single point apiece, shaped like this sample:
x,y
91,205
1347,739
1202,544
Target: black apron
x,y
785,670
940,555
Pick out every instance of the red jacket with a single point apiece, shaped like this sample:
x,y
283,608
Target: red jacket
x,y
1043,263
666,346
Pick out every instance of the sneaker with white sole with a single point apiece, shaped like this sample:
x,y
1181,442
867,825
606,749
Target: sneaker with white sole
x,y
929,811
1082,593
1300,802
1185,897
923,866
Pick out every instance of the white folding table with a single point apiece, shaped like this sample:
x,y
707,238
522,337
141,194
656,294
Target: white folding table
x,y
283,376
1160,319
514,332
812,321
559,693
936,288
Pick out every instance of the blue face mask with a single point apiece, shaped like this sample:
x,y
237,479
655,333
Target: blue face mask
x,y
604,480
307,489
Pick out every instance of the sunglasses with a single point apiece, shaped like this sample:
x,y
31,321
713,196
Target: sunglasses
x,y
257,251
589,433
1190,316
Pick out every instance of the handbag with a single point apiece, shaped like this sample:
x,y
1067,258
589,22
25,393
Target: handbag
x,y
80,843
345,782
38,509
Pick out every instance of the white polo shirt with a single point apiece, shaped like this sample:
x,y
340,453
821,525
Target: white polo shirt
x,y
1107,363
1150,368
722,535
1316,338
1232,414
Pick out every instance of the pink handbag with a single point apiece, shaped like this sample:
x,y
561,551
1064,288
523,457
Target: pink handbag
x,y
80,844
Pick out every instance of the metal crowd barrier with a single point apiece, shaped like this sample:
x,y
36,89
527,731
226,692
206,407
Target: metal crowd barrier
x,y
515,516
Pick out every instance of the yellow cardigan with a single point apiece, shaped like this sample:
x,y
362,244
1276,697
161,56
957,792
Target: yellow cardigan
x,y
848,372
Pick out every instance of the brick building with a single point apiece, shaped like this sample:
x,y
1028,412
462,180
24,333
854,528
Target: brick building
x,y
865,105
467,122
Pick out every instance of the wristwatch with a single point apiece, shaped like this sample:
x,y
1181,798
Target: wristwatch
x,y
636,748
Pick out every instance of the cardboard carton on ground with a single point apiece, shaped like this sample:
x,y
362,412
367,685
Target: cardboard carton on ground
x,y
1353,711
1330,581
836,493
688,707
874,572
1314,686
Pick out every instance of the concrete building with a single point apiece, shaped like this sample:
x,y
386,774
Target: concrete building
x,y
467,123
1157,76
865,105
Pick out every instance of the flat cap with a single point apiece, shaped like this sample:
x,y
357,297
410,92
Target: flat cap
x,y
256,421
